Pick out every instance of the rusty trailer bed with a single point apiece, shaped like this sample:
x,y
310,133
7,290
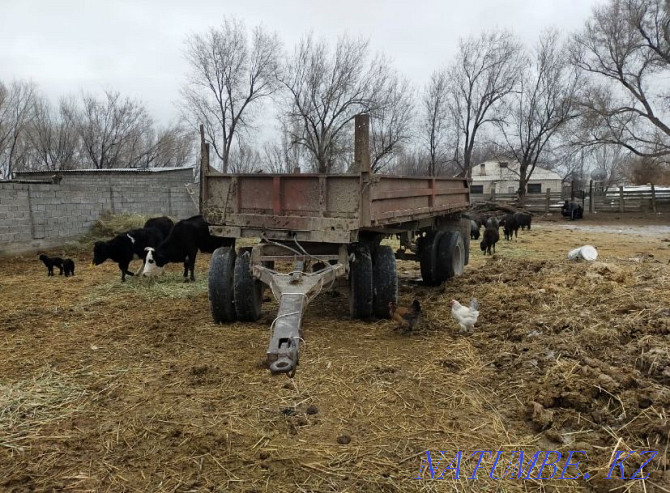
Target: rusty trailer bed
x,y
324,208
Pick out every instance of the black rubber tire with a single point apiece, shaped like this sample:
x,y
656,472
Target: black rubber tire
x,y
384,281
360,284
450,256
221,294
248,290
428,258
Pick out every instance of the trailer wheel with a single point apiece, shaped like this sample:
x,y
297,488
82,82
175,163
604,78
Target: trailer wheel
x,y
384,281
360,284
221,300
428,258
450,256
248,290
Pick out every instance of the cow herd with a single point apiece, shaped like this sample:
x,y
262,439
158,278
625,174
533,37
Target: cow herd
x,y
158,243
511,223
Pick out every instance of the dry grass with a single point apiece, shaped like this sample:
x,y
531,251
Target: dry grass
x,y
130,387
109,225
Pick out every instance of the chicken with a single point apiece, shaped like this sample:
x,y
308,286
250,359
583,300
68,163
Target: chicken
x,y
407,318
465,317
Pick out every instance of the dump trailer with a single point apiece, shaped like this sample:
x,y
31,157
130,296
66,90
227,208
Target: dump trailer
x,y
312,229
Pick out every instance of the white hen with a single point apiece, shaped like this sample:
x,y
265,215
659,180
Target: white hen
x,y
465,317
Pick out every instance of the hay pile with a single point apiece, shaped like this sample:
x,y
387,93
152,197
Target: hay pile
x,y
109,225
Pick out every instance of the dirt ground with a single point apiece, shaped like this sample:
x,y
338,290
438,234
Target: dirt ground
x,y
107,386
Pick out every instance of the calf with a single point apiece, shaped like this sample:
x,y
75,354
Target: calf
x,y
68,267
123,248
182,245
474,230
523,219
491,237
52,262
164,224
510,226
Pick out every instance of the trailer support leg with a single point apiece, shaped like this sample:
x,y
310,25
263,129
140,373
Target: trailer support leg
x,y
285,341
294,292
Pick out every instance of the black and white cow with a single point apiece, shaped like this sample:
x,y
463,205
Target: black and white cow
x,y
123,248
182,245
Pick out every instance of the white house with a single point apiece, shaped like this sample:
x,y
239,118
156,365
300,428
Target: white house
x,y
503,178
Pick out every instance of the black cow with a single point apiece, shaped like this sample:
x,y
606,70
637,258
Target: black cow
x,y
182,245
492,222
510,226
163,223
474,230
123,248
572,210
52,262
491,237
523,219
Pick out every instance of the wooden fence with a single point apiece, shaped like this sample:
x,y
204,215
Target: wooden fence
x,y
540,202
635,200
621,199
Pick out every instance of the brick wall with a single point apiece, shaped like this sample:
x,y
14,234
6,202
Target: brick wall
x,y
38,215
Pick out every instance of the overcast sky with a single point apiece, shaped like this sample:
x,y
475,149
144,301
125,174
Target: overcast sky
x,y
136,46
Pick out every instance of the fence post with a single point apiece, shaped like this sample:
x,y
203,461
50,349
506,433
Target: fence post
x,y
546,204
653,198
493,194
621,205
591,196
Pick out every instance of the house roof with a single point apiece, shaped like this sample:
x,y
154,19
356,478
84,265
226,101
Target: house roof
x,y
493,171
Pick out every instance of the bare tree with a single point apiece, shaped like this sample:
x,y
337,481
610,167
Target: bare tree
x,y
114,132
230,74
608,163
540,107
245,159
16,113
52,136
485,72
624,49
411,162
325,90
170,147
651,18
391,122
283,156
436,120
643,170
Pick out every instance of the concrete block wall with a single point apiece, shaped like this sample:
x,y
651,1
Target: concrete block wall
x,y
37,214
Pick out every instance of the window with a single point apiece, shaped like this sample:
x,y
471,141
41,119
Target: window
x,y
511,189
482,169
476,188
535,188
503,164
